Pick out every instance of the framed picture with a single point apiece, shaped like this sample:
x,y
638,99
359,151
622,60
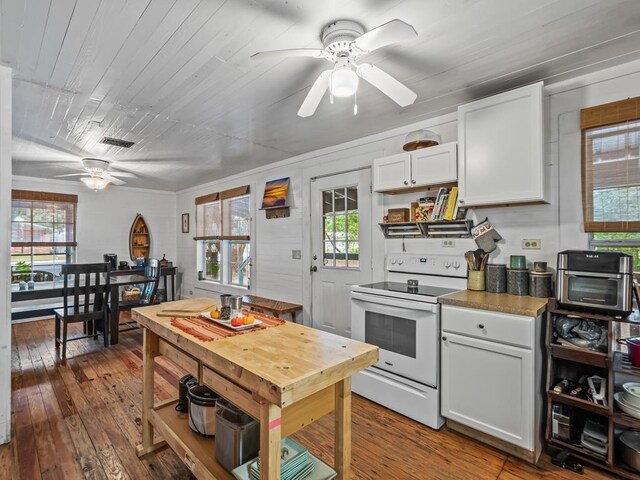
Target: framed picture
x,y
185,223
275,193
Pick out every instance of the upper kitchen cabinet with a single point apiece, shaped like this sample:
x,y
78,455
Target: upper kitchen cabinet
x,y
502,149
420,168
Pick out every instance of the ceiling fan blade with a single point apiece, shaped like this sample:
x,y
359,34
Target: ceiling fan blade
x,y
71,175
113,180
315,94
291,52
386,34
388,85
118,173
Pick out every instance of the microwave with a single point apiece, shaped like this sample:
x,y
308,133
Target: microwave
x,y
595,281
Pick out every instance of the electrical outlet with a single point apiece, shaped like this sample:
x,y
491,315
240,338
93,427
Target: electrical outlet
x,y
531,243
190,292
296,254
448,243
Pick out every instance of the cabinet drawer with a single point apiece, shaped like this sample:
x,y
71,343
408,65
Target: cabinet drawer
x,y
492,326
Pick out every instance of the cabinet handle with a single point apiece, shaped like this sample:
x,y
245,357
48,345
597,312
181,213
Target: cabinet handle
x,y
444,339
461,201
413,181
481,326
406,183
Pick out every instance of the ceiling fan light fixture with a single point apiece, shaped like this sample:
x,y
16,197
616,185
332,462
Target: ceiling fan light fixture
x,y
95,183
344,81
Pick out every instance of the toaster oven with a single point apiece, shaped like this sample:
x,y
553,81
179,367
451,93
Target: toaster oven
x,y
595,280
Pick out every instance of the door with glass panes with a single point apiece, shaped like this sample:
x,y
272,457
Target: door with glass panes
x,y
341,246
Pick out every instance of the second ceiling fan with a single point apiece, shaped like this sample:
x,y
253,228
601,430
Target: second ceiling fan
x,y
344,43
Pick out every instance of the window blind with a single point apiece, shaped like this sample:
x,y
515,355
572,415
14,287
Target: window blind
x,y
611,166
43,219
223,215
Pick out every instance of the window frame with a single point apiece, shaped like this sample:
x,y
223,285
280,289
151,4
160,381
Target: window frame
x,y
600,116
70,244
224,241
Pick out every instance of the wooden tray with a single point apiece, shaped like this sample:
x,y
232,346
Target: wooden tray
x,y
188,308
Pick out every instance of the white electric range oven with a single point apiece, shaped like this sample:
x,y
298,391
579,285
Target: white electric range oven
x,y
402,317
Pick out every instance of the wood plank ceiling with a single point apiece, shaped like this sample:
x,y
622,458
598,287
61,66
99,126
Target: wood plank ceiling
x,y
175,76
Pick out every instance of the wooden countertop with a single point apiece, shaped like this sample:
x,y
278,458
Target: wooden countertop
x,y
497,302
283,364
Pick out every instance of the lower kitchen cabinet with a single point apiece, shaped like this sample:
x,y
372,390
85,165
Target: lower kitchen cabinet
x,y
491,378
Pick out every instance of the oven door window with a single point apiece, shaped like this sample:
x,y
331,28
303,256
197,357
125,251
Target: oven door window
x,y
600,291
390,333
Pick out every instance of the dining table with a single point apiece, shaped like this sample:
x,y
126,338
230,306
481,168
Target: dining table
x,y
55,289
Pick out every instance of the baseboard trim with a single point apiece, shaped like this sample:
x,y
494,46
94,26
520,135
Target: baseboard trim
x,y
5,433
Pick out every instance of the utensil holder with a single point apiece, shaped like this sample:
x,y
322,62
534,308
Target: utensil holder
x,y
476,280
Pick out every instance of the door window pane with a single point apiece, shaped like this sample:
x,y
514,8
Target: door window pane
x,y
340,229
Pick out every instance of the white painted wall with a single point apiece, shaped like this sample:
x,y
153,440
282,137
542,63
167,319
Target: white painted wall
x,y
557,224
104,217
5,243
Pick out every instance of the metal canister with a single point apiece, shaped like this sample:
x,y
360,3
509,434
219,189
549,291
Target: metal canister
x,y
225,306
518,281
496,281
540,284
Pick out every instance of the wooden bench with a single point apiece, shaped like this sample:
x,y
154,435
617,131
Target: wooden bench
x,y
275,307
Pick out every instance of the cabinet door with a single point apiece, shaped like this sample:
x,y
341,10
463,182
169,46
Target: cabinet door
x,y
489,387
434,165
501,157
392,173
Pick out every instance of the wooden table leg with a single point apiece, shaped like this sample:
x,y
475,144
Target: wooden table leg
x,y
150,348
342,454
270,436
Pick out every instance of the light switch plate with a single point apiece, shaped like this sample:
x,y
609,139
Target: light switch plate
x,y
448,242
296,254
531,243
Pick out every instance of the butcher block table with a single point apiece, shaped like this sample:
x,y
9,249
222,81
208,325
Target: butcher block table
x,y
286,377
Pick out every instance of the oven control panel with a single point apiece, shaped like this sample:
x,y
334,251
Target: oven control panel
x,y
427,264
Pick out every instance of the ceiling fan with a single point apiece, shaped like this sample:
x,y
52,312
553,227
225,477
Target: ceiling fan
x,y
97,174
345,41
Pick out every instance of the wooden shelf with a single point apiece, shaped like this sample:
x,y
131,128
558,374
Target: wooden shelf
x,y
624,420
578,402
139,232
600,317
192,448
579,355
622,365
581,453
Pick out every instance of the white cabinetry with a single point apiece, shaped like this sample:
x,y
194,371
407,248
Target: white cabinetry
x,y
501,158
490,375
427,166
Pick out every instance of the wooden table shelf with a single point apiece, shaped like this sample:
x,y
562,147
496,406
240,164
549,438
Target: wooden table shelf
x,y
578,403
260,372
587,357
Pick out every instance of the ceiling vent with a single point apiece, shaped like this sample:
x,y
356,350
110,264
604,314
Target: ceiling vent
x,y
116,142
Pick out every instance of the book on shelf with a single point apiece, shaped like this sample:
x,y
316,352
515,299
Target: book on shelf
x,y
451,204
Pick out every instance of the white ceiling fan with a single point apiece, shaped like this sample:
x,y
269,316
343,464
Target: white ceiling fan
x,y
97,174
345,41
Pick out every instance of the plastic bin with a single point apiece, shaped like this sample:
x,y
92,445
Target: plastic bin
x,y
237,436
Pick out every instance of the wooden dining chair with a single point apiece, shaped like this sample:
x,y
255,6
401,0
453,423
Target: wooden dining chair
x,y
147,293
87,286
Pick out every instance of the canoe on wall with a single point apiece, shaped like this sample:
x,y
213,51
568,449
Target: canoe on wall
x,y
139,239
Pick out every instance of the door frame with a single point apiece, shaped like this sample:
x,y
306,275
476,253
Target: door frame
x,y
336,167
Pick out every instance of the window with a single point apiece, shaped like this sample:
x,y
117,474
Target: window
x,y
611,176
43,234
223,226
340,228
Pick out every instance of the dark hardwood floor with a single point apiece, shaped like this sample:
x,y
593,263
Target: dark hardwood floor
x,y
81,419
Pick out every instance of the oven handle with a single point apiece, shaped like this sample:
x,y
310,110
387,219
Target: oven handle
x,y
409,305
593,274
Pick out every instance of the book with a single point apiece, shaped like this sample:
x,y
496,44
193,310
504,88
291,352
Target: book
x,y
436,206
451,204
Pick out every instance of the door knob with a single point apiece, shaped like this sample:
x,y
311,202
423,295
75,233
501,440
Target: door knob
x,y
314,269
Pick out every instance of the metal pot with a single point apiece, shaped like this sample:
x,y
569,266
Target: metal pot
x,y
630,449
633,346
